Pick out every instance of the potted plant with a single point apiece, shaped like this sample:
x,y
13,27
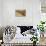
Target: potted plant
x,y
34,39
41,27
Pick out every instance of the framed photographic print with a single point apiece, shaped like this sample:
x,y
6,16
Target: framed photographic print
x,y
20,13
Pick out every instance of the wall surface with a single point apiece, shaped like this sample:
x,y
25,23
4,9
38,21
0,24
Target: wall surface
x,y
32,12
0,13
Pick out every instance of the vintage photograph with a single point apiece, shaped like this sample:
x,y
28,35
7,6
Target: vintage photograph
x,y
20,13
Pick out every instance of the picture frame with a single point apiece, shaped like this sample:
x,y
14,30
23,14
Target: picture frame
x,y
20,13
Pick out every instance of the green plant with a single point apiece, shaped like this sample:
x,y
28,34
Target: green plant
x,y
41,26
34,39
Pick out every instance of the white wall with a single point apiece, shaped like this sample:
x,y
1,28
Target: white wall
x,y
32,12
0,13
36,12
